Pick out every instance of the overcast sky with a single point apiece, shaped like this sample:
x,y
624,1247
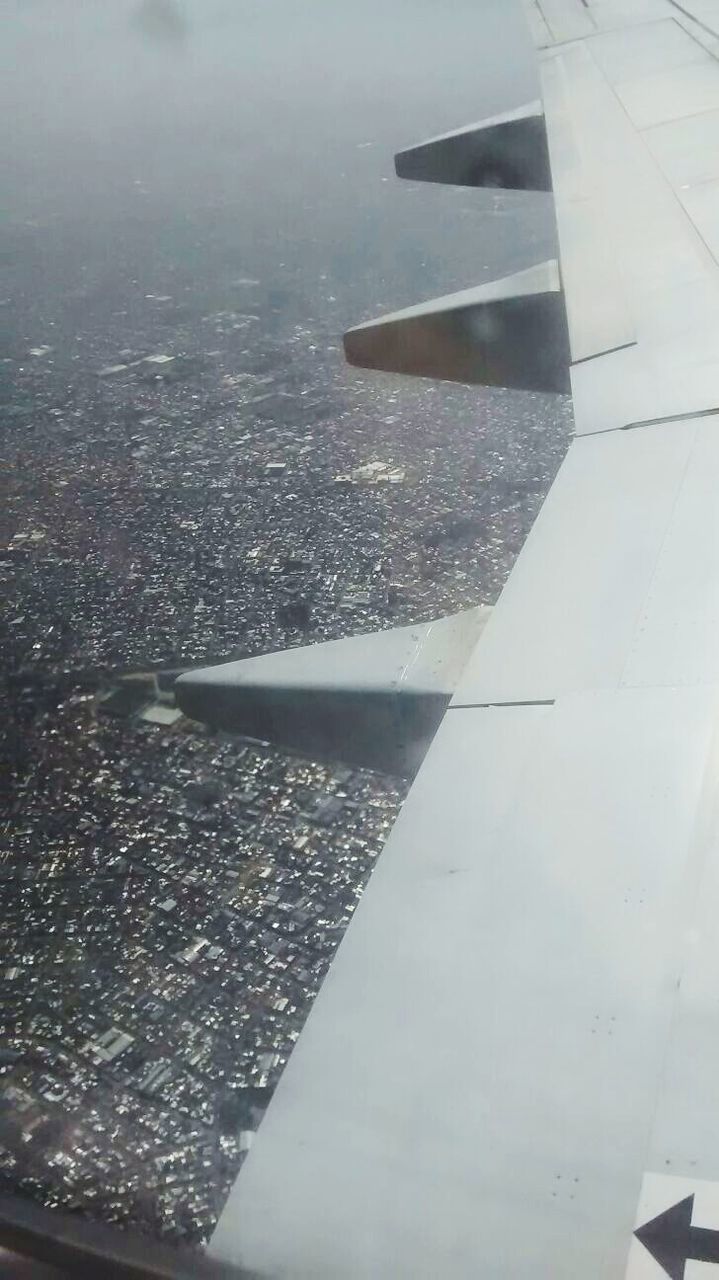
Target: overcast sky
x,y
273,118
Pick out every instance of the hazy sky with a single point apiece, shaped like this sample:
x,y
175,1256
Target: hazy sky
x,y
142,81
281,114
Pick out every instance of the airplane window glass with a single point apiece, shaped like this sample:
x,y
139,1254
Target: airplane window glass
x,y
200,199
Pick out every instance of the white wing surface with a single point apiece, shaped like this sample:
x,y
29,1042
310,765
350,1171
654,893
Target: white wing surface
x,y
513,1065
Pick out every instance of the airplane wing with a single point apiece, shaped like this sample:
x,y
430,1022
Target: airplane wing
x,y
512,1069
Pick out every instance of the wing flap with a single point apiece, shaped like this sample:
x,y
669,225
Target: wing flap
x,y
372,700
508,333
506,151
570,615
474,1091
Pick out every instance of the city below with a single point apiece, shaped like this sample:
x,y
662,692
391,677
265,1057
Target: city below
x,y
193,474
172,899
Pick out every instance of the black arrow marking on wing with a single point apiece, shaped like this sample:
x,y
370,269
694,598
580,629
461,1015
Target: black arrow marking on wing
x,y
672,1240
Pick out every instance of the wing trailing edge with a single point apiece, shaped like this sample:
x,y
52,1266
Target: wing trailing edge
x,y
507,333
510,332
373,701
508,150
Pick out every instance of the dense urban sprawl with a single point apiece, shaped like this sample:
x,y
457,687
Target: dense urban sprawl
x,y
187,484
